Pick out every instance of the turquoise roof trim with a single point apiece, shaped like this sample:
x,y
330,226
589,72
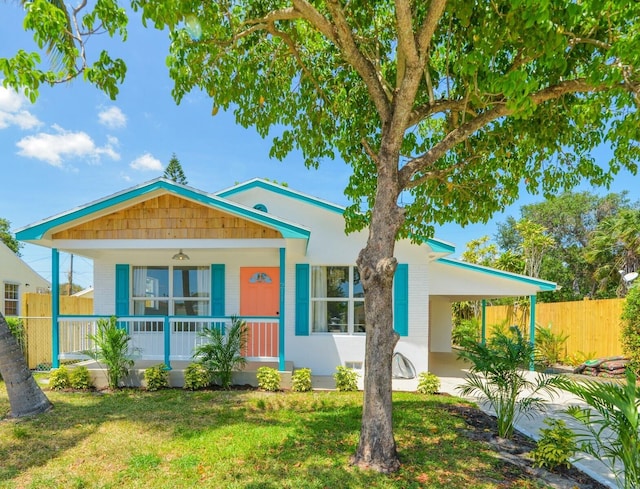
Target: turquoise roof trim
x,y
436,245
38,230
543,285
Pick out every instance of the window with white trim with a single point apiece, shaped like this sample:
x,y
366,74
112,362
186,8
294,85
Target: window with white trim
x,y
337,300
171,291
11,299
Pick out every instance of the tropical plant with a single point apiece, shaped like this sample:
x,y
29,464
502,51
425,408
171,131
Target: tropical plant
x,y
196,376
268,379
111,348
497,378
16,326
579,357
550,347
631,328
156,377
346,379
8,238
455,104
428,383
301,380
466,331
611,422
59,378
556,446
80,378
25,396
221,352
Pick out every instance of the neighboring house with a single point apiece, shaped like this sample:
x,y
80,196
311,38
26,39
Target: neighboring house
x,y
16,279
85,293
170,260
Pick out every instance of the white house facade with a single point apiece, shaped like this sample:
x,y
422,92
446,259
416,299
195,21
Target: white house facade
x,y
16,279
170,260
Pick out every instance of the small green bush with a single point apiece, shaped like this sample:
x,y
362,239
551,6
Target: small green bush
x,y
428,383
466,331
346,379
59,379
196,376
550,347
268,379
556,446
156,377
301,380
631,328
79,378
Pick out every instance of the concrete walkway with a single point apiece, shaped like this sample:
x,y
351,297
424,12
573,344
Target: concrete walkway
x,y
452,373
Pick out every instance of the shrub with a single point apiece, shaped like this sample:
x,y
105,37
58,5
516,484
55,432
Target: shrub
x,y
196,376
611,421
156,377
346,379
549,346
556,445
301,380
221,352
59,378
112,348
428,383
16,326
467,330
578,358
268,379
496,377
631,328
79,378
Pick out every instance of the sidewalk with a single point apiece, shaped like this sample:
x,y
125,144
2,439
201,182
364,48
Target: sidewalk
x,y
452,373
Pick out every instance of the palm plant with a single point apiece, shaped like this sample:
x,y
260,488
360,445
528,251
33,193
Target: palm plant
x,y
111,347
496,378
221,354
612,425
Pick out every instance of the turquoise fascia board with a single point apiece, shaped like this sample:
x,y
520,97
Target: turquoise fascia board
x,y
440,246
278,189
543,285
38,230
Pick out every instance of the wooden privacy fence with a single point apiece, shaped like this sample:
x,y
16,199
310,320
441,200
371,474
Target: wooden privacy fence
x,y
593,326
37,323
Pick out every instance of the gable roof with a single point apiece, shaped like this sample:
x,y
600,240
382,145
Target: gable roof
x,y
43,229
437,246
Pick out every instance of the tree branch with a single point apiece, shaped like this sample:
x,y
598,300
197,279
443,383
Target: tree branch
x,y
462,132
436,10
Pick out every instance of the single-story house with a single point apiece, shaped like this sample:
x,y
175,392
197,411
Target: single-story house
x,y
170,259
16,279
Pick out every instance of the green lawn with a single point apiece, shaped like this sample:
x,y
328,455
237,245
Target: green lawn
x,y
178,439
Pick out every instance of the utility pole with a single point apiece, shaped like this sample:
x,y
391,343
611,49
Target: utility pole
x,y
70,277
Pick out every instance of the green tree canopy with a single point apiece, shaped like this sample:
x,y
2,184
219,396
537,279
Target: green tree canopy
x,y
174,172
450,104
8,238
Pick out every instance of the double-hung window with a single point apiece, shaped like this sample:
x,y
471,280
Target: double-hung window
x,y
171,291
337,300
11,299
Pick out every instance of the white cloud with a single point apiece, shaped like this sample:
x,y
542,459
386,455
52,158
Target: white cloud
x,y
146,162
53,148
113,118
12,113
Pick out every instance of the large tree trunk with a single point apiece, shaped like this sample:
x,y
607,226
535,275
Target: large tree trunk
x,y
377,446
25,396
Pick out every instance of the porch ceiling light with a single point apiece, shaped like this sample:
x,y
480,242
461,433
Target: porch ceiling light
x,y
180,256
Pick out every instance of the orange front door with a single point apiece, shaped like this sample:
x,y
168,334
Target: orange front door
x,y
260,296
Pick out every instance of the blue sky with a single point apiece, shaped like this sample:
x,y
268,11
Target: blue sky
x,y
75,145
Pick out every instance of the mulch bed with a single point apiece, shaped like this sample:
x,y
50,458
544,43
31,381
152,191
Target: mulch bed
x,y
483,427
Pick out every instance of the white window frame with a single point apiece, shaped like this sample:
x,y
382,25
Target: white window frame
x,y
170,298
350,299
11,300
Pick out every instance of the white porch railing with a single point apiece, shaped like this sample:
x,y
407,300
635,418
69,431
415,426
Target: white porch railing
x,y
167,338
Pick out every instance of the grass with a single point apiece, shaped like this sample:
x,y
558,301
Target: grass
x,y
239,439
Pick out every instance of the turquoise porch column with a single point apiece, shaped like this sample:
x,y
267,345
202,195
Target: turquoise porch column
x,y
484,322
167,342
55,307
532,328
281,366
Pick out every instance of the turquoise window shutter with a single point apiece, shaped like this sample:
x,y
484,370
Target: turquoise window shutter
x,y
217,290
401,300
302,299
122,290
